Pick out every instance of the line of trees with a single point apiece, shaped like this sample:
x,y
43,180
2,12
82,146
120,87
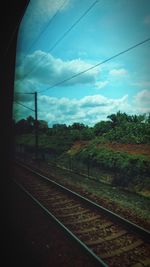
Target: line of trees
x,y
119,127
59,142
24,126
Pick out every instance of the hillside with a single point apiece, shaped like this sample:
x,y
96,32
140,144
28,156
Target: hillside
x,y
116,151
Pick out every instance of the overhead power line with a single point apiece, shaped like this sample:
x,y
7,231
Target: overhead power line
x,y
73,25
35,124
47,25
19,93
45,28
65,34
23,105
95,66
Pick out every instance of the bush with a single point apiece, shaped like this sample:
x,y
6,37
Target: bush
x,y
126,167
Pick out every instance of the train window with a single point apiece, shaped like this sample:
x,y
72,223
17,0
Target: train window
x,y
82,115
75,56
82,92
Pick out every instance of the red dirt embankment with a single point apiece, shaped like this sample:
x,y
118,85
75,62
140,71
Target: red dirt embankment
x,y
143,149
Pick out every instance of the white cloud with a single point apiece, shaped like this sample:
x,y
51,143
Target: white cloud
x,y
102,84
25,86
88,110
143,97
39,15
94,101
141,84
43,68
51,6
142,101
118,72
47,7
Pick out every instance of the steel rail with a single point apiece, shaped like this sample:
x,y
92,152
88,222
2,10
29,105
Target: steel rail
x,y
97,259
144,233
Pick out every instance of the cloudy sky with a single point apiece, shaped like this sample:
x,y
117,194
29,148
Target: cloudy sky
x,y
59,39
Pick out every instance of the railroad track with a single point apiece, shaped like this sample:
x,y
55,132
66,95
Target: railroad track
x,y
107,237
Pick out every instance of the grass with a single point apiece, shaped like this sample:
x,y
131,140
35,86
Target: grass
x,y
137,206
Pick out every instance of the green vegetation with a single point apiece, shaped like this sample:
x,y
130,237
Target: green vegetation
x,y
125,167
129,205
123,128
92,155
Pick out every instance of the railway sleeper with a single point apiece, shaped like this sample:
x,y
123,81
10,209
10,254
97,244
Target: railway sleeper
x,y
76,206
142,263
122,250
65,202
92,229
73,214
84,220
108,238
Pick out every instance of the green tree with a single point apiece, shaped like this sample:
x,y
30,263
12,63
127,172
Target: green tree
x,y
102,127
21,126
77,126
119,118
43,125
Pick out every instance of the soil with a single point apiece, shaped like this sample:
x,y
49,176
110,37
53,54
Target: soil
x,y
142,149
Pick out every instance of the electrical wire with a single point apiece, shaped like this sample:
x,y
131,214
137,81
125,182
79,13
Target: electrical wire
x,y
45,28
73,25
18,93
23,105
47,25
95,66
65,34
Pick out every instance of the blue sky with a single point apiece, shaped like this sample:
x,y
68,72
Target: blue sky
x,y
42,61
